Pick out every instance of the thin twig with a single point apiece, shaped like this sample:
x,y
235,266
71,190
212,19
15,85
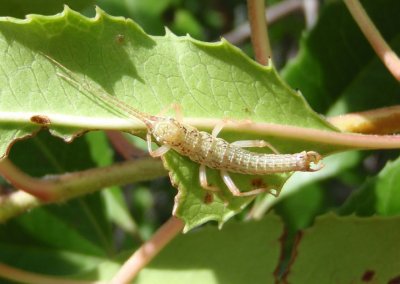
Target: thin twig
x,y
259,33
272,14
22,276
382,49
167,232
123,147
66,186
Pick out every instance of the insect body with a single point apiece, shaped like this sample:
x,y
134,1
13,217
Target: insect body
x,y
207,149
210,151
216,153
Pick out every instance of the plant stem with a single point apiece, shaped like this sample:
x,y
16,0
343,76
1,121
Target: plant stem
x,y
382,49
22,276
323,138
259,34
123,147
66,186
148,251
41,188
377,121
272,14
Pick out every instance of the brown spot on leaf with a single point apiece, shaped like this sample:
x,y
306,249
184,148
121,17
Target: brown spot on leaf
x,y
208,198
120,38
395,280
368,276
41,119
258,183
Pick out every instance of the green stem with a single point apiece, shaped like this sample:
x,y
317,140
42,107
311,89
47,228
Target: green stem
x,y
22,276
66,186
259,33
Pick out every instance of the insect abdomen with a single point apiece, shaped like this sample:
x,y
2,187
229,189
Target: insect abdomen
x,y
217,153
247,162
202,148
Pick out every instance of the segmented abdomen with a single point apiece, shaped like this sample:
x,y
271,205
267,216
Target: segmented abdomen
x,y
217,153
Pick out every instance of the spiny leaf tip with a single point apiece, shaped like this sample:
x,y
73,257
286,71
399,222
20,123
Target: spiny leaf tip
x,y
168,32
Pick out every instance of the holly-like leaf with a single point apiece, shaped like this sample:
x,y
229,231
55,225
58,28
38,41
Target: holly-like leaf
x,y
114,56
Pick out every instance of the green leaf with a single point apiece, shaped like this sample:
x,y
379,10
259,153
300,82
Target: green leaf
x,y
379,195
208,80
346,250
258,240
115,205
118,211
72,236
220,256
68,239
36,237
45,155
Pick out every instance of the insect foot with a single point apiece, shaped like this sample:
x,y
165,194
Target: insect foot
x,y
313,161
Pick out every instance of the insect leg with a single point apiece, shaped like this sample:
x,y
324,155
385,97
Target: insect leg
x,y
203,179
255,143
244,143
217,128
233,188
156,153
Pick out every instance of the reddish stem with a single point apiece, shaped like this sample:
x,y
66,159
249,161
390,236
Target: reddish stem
x,y
148,251
259,34
382,49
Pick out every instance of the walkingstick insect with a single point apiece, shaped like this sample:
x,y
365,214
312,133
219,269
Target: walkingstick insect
x,y
207,149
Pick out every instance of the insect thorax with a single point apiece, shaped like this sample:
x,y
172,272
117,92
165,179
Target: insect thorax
x,y
168,131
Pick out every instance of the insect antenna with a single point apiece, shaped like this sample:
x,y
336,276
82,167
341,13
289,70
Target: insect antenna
x,y
104,96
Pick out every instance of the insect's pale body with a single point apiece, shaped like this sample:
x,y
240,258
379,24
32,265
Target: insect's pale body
x,y
207,149
217,153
